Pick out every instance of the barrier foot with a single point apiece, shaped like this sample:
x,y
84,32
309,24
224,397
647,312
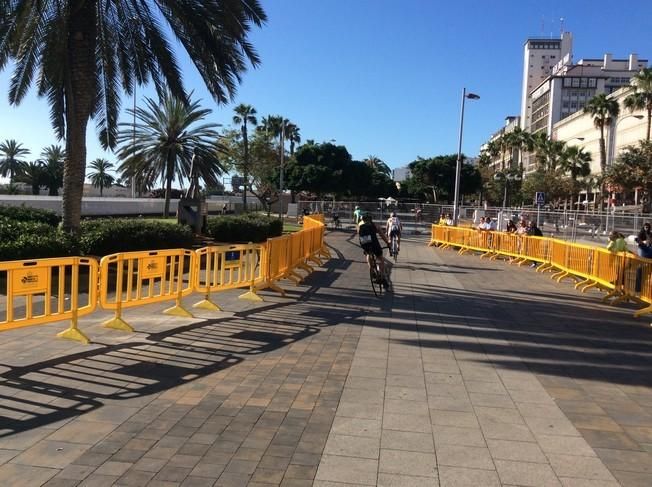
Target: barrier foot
x,y
207,304
582,283
487,254
432,243
325,252
643,311
305,267
623,298
178,310
73,333
610,294
117,323
272,285
591,285
316,261
251,296
294,277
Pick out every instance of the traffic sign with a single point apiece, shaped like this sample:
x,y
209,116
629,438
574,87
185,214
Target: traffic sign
x,y
540,198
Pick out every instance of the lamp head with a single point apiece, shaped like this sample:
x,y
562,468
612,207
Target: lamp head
x,y
472,96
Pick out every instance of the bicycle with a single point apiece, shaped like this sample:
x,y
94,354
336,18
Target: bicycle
x,y
393,247
336,224
376,277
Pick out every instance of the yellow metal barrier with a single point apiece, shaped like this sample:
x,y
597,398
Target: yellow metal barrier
x,y
50,290
316,223
137,278
229,267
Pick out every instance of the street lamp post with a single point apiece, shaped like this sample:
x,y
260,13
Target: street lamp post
x,y
458,165
280,191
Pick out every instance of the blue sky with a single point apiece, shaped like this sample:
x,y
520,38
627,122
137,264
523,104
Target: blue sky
x,y
384,77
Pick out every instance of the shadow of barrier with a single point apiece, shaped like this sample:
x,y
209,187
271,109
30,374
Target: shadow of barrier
x,y
49,290
623,275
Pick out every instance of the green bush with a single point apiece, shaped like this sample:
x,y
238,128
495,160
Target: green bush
x,y
110,235
12,229
38,245
243,228
26,214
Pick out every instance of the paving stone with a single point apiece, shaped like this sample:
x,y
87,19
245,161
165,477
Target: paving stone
x,y
394,480
526,474
408,463
352,446
467,477
519,451
52,454
464,456
352,470
16,475
407,440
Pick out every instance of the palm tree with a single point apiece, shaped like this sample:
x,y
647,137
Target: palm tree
x,y
11,162
245,114
520,140
378,165
641,98
82,54
33,174
549,153
100,178
576,162
167,135
53,161
292,133
602,109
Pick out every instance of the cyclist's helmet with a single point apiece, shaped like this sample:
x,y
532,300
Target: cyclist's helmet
x,y
393,214
366,218
357,207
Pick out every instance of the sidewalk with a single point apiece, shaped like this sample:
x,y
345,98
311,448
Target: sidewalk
x,y
471,372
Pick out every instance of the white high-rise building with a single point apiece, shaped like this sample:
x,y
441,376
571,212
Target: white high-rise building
x,y
540,55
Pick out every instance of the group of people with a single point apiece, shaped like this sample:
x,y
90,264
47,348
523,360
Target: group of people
x,y
368,234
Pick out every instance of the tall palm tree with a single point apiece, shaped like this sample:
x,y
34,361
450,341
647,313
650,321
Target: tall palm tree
x,y
245,114
550,154
82,54
576,162
292,134
378,165
11,162
33,174
602,109
53,159
641,98
168,133
101,178
519,140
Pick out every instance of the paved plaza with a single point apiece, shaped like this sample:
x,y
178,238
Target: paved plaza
x,y
470,373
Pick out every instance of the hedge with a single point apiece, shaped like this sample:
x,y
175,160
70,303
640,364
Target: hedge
x,y
26,214
243,228
34,240
107,236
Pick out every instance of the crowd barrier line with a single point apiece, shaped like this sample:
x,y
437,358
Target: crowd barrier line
x,y
145,277
623,275
54,288
220,268
44,284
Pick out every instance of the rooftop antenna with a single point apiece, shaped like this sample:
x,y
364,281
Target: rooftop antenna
x,y
561,26
543,25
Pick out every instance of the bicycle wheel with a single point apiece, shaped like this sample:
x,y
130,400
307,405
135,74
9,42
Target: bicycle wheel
x,y
375,285
395,248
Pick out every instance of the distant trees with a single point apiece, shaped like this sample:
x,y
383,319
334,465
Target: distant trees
x,y
100,177
641,98
434,178
11,159
633,169
166,137
603,110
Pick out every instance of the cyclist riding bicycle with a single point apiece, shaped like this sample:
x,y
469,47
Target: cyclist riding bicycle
x,y
394,227
335,215
368,235
357,215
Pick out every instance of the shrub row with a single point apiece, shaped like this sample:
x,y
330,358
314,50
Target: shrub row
x,y
34,240
243,228
22,238
27,214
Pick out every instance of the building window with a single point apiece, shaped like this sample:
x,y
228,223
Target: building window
x,y
575,83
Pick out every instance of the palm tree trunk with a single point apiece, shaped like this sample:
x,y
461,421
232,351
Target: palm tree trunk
x,y
169,173
603,164
79,89
649,122
245,169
